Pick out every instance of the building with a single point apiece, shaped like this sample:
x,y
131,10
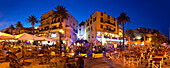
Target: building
x,y
101,27
16,31
81,31
50,27
120,31
169,33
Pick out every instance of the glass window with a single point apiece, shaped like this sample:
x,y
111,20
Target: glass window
x,y
101,26
91,22
92,36
101,14
101,20
94,19
58,19
108,21
114,19
108,16
91,28
88,36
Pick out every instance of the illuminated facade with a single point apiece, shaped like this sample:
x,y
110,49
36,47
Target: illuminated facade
x,y
102,27
16,31
81,31
50,27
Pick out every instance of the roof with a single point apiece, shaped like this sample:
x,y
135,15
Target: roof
x,y
82,23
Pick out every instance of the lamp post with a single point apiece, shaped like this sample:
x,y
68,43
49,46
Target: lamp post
x,y
120,34
60,32
149,40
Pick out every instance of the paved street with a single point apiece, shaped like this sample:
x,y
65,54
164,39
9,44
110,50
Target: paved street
x,y
108,63
102,63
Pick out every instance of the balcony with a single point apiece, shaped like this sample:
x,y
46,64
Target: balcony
x,y
111,23
107,29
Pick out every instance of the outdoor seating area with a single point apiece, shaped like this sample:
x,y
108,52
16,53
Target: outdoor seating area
x,y
155,57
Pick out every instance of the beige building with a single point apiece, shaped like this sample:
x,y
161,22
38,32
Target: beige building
x,y
50,27
102,27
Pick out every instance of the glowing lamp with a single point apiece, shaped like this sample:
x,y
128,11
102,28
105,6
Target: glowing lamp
x,y
120,34
150,39
72,53
61,31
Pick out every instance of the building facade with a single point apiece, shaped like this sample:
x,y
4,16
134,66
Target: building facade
x,y
50,27
101,27
81,31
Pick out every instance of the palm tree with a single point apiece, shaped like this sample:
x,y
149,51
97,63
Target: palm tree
x,y
122,19
11,28
61,13
19,26
32,19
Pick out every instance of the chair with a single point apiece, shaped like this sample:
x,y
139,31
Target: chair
x,y
157,63
126,60
136,60
149,62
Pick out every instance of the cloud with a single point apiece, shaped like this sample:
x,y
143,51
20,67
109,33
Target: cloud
x,y
5,23
1,14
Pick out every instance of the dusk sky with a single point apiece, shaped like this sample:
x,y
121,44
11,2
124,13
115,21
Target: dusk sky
x,y
143,13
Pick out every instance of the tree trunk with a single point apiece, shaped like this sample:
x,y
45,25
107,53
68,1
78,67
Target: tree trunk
x,y
60,37
33,29
60,23
11,31
60,43
128,42
19,30
123,34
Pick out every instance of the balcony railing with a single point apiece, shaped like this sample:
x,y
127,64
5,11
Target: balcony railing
x,y
107,29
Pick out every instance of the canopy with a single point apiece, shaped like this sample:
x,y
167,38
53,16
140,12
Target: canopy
x,y
48,39
26,36
6,36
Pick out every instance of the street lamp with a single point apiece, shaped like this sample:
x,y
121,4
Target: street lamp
x,y
120,34
60,32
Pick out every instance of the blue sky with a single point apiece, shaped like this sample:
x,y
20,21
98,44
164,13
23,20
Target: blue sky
x,y
143,13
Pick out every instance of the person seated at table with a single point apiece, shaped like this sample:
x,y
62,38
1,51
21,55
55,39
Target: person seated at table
x,y
80,62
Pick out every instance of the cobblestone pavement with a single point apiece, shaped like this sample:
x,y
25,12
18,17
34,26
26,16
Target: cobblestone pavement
x,y
115,63
93,63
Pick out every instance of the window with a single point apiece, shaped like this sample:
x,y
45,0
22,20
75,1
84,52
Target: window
x,y
58,19
88,29
92,36
88,36
94,19
114,19
108,21
91,22
106,27
101,26
101,20
87,24
91,28
108,16
73,24
114,24
90,16
101,14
